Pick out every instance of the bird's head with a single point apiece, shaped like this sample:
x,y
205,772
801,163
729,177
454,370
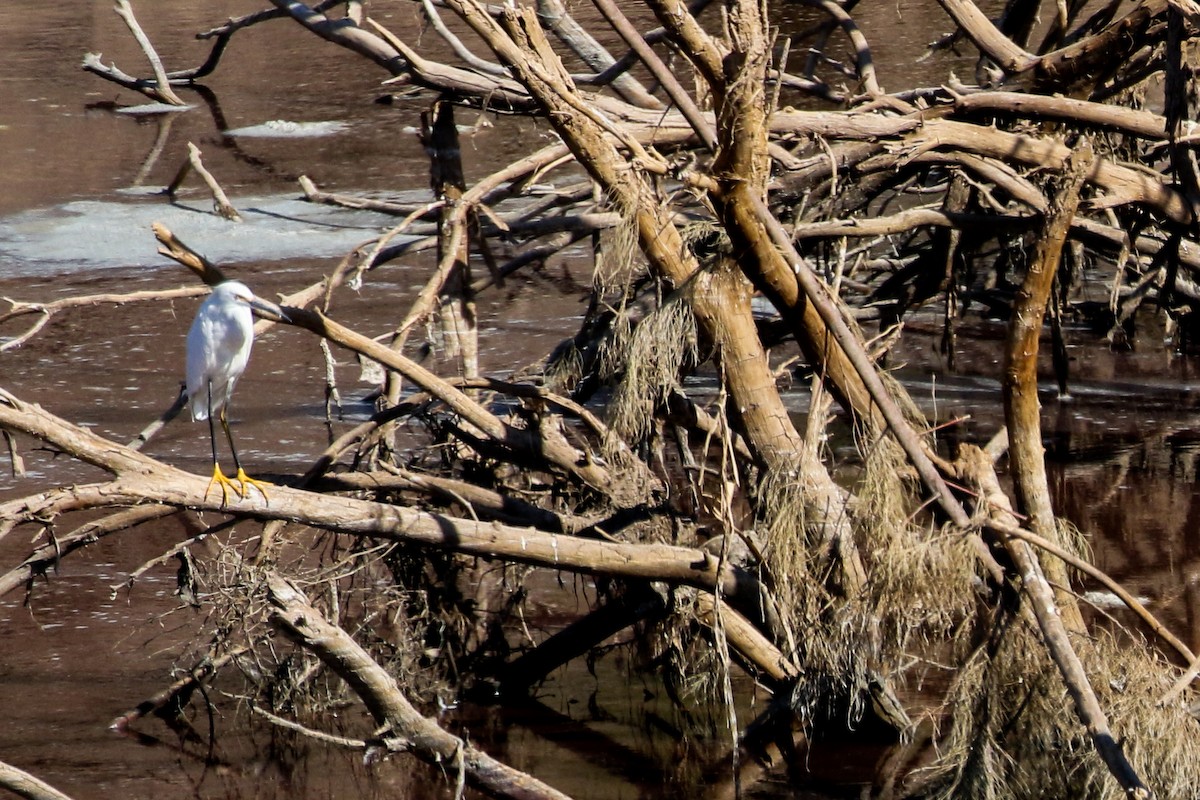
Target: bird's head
x,y
238,292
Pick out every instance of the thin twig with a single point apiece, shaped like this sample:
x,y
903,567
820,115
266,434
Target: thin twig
x,y
162,90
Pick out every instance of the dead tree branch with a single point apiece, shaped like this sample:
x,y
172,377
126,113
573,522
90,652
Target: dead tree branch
x,y
404,727
23,784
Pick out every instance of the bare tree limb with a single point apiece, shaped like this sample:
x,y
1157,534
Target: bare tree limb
x,y
162,86
221,202
406,728
23,784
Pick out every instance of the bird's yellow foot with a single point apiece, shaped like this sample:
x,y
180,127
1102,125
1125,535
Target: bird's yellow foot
x,y
247,482
226,484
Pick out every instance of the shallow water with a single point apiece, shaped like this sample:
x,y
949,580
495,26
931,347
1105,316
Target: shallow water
x,y
74,219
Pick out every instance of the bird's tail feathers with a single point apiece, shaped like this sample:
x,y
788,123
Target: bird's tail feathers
x,y
199,409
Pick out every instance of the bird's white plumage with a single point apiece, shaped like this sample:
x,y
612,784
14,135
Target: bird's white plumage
x,y
218,347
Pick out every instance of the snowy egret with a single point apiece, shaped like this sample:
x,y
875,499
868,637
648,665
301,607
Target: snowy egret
x,y
218,347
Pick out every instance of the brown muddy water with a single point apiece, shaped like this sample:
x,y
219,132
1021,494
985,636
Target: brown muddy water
x,y
75,209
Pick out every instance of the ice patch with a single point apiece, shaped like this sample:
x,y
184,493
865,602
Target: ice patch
x,y
286,129
147,109
88,234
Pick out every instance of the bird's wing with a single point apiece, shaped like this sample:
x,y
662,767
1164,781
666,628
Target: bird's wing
x,y
218,348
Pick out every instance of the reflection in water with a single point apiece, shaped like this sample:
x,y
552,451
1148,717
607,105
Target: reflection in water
x,y
1122,454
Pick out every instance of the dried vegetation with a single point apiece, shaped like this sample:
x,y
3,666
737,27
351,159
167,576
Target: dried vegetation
x,y
775,211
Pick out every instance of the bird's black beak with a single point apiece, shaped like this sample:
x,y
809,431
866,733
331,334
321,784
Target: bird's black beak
x,y
269,309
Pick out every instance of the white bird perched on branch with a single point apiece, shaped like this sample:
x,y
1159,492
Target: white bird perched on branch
x,y
218,347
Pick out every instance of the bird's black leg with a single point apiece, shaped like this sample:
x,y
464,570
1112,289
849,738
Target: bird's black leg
x,y
218,477
212,430
229,436
241,477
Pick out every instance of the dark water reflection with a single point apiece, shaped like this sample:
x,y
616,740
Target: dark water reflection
x,y
1124,452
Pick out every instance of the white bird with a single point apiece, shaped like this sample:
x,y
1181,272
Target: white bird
x,y
218,347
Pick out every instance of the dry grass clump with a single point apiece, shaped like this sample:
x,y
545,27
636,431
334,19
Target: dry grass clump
x,y
919,588
375,592
1162,741
1012,732
922,582
833,642
649,358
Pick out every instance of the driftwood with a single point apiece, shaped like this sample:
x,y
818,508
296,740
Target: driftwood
x,y
838,202
47,311
403,726
138,478
221,202
171,700
23,784
157,89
